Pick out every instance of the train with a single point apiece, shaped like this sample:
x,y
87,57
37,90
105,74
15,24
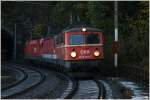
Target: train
x,y
73,48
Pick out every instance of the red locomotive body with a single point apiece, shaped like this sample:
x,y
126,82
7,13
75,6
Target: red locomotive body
x,y
72,48
83,47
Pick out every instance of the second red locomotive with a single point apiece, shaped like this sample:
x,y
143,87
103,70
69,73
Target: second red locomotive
x,y
72,48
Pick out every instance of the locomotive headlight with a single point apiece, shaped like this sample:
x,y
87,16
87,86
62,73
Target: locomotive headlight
x,y
83,29
73,54
96,53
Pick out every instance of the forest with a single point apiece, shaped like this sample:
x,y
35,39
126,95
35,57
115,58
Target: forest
x,y
41,19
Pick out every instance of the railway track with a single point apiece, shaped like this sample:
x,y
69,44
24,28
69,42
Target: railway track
x,y
82,89
76,89
33,78
89,89
21,76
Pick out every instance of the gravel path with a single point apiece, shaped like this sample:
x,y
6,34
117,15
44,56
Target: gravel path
x,y
115,86
139,91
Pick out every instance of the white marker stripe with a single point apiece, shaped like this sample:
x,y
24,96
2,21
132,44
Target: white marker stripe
x,y
49,56
116,34
80,45
115,60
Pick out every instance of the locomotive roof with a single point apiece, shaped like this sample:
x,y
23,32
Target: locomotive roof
x,y
79,29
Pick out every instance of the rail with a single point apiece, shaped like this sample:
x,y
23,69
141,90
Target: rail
x,y
22,77
16,90
102,91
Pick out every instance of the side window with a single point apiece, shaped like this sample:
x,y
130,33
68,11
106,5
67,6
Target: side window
x,y
57,40
41,44
103,39
60,39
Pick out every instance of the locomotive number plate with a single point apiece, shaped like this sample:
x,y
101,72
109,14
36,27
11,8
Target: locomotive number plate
x,y
84,57
84,52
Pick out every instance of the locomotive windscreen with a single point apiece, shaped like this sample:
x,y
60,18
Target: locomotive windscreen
x,y
78,39
92,39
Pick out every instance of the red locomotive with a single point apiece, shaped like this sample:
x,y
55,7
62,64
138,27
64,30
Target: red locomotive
x,y
80,47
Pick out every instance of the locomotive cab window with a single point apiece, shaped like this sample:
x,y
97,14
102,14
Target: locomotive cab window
x,y
92,39
76,39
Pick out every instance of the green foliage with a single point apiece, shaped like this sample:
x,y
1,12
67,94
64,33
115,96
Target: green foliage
x,y
137,37
37,30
